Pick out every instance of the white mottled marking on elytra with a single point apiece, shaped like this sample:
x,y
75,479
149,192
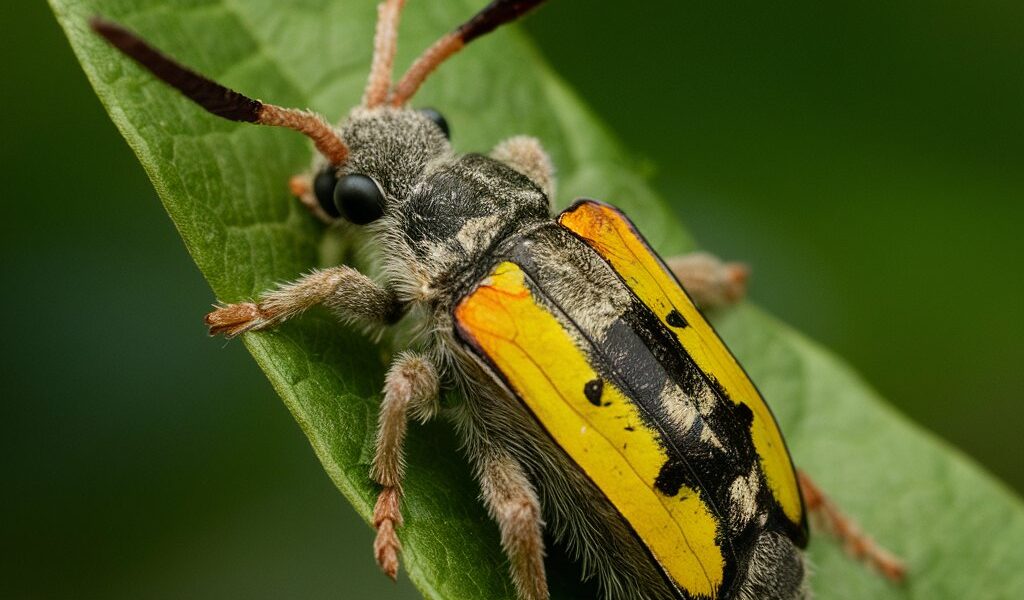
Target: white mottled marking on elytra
x,y
683,413
743,494
706,400
679,407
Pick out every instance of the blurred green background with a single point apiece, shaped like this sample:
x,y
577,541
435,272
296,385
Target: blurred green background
x,y
867,159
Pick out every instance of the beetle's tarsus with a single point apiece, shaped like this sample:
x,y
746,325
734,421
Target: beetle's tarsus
x,y
387,517
710,281
858,544
410,389
352,295
231,320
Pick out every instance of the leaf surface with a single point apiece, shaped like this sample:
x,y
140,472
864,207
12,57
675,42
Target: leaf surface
x,y
224,185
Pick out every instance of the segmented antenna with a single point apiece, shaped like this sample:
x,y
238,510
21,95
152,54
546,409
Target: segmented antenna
x,y
220,100
494,15
385,42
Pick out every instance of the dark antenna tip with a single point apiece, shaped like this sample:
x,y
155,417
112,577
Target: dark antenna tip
x,y
216,98
210,95
492,16
96,22
102,26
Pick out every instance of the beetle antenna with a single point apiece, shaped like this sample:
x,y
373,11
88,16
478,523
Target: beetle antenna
x,y
219,100
385,41
495,14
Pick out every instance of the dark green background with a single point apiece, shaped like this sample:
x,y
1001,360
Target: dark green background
x,y
865,158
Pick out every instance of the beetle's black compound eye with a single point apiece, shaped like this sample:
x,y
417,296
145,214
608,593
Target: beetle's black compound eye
x,y
359,199
438,120
323,189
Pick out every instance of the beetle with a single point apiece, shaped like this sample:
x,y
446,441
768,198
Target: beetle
x,y
597,397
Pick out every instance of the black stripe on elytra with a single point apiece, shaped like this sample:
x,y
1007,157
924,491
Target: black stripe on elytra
x,y
734,418
692,462
732,423
636,371
715,469
703,467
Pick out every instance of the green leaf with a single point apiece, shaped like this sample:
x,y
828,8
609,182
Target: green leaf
x,y
224,185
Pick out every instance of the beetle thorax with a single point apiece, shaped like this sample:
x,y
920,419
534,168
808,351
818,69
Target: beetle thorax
x,y
444,213
462,211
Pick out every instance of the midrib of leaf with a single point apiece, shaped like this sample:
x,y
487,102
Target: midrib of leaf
x,y
219,182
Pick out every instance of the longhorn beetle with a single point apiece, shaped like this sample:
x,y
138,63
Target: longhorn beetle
x,y
597,398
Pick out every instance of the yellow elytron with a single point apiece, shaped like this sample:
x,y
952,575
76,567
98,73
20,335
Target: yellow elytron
x,y
546,368
644,397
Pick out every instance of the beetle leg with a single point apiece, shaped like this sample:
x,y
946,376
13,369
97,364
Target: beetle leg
x,y
410,388
349,293
711,282
512,502
301,186
856,542
525,154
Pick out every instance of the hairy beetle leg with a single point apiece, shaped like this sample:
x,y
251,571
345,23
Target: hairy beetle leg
x,y
526,155
855,541
349,293
710,281
512,502
410,389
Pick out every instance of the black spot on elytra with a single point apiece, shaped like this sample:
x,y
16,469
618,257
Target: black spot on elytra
x,y
630,428
592,390
672,476
744,416
675,319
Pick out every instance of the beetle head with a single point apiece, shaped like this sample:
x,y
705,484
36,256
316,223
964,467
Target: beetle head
x,y
389,149
380,151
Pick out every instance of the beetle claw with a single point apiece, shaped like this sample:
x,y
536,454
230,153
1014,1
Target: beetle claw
x,y
233,319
